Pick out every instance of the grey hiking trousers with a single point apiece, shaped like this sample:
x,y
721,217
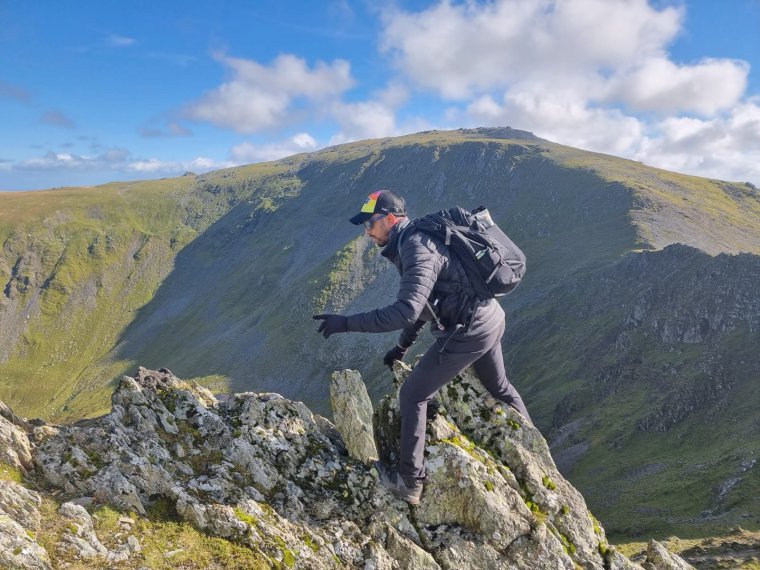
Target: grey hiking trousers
x,y
480,346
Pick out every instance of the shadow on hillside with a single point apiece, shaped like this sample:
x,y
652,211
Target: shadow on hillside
x,y
239,300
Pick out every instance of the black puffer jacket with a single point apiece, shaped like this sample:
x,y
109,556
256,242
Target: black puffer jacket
x,y
428,273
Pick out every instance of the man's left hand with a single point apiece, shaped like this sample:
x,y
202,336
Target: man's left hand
x,y
332,324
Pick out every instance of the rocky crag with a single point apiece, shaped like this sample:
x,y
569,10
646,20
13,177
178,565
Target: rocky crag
x,y
294,489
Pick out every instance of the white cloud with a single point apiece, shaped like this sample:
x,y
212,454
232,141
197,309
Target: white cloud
x,y
170,167
658,84
150,165
53,161
364,120
561,118
304,141
114,160
260,97
373,118
725,147
595,74
115,40
458,50
602,51
246,153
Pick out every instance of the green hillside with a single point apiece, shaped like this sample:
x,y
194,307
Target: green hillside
x,y
76,266
650,399
216,278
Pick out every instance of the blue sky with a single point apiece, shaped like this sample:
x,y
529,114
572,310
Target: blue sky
x,y
92,92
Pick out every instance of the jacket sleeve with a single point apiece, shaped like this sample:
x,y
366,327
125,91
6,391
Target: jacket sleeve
x,y
410,334
422,263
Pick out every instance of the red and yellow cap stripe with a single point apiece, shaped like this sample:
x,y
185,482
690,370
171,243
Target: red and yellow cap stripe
x,y
369,205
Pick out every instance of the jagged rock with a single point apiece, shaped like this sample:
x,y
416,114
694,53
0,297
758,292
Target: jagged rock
x,y
18,549
469,491
80,535
541,550
263,471
19,522
352,410
407,553
21,504
475,499
386,420
257,468
134,544
617,561
520,446
15,449
660,558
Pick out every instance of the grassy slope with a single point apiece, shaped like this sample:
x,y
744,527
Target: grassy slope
x,y
71,244
659,382
712,215
79,264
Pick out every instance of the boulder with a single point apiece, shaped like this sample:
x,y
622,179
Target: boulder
x,y
352,411
660,558
15,449
80,533
19,523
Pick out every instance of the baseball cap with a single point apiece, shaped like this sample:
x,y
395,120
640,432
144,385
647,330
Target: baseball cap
x,y
380,202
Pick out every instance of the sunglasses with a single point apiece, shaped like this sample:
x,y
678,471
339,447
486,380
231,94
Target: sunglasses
x,y
371,222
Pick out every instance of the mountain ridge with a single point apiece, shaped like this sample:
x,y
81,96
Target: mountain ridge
x,y
289,487
216,277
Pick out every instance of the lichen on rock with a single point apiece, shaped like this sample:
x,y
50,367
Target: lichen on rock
x,y
352,411
264,472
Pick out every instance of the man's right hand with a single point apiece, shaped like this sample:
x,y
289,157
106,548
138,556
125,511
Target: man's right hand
x,y
331,324
394,354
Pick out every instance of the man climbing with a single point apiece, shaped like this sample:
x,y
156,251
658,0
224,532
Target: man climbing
x,y
468,331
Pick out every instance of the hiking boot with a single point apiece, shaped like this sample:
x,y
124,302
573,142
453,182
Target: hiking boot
x,y
391,480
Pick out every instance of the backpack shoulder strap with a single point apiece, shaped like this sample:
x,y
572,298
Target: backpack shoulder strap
x,y
439,226
400,238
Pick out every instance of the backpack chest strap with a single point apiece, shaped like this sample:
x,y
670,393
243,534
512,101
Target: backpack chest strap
x,y
447,287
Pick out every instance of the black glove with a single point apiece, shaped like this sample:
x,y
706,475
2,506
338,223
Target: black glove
x,y
394,354
332,324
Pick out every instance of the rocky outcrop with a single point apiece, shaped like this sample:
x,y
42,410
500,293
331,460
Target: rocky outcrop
x,y
19,506
659,557
494,497
81,535
352,411
15,449
265,472
19,523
